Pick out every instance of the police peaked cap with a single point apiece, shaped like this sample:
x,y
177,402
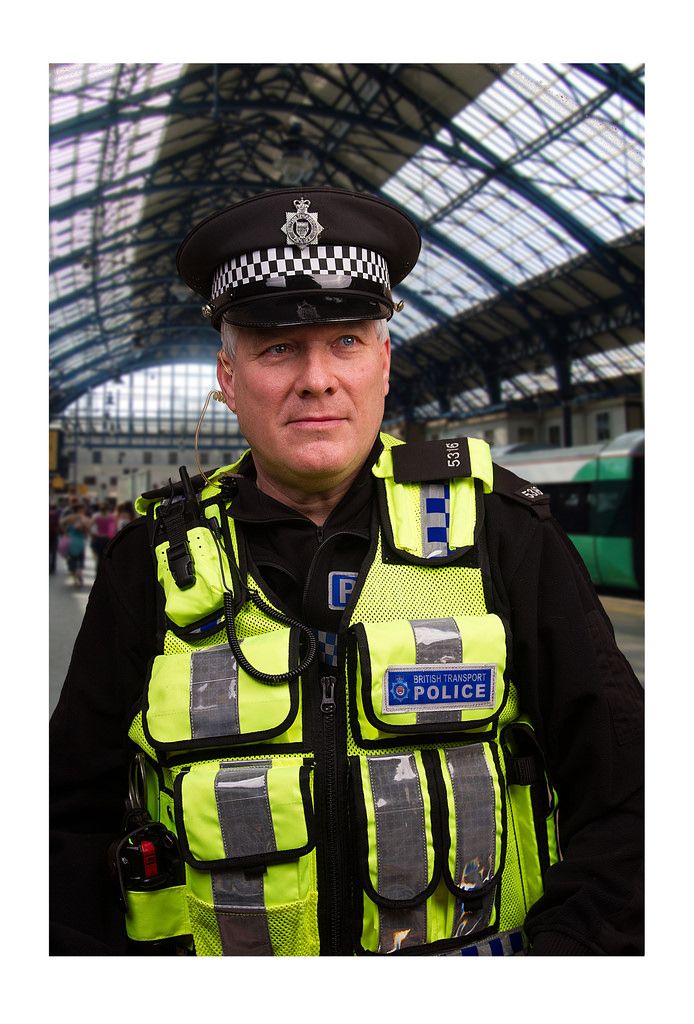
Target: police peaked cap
x,y
295,256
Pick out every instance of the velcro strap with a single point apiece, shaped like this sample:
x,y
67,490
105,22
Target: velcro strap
x,y
178,555
172,518
522,771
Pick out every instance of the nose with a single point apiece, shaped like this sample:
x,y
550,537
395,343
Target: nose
x,y
316,375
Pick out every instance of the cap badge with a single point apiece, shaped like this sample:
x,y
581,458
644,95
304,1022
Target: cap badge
x,y
302,228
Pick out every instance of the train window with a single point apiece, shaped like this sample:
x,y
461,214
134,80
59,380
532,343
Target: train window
x,y
570,503
612,508
602,508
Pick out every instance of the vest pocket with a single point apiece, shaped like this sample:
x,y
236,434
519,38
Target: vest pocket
x,y
212,578
204,699
430,846
533,807
432,676
246,833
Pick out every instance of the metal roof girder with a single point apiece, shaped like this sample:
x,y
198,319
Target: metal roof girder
x,y
619,79
81,123
504,171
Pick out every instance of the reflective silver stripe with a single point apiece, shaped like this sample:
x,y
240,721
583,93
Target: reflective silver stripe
x,y
401,848
475,819
214,699
239,904
235,890
434,510
245,820
243,806
437,641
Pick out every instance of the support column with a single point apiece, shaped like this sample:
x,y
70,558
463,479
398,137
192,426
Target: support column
x,y
562,366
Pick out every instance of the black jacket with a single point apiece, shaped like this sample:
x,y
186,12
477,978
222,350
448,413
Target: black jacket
x,y
578,689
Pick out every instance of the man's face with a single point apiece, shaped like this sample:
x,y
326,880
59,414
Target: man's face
x,y
309,399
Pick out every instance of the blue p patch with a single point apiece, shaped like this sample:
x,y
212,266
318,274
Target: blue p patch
x,y
340,587
408,688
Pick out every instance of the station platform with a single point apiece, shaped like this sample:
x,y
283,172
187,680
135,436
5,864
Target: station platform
x,y
67,604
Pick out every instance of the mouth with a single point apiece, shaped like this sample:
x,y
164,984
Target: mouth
x,y
316,422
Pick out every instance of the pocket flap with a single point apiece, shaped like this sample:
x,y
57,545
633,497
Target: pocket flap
x,y
472,783
212,574
244,814
428,676
396,823
204,699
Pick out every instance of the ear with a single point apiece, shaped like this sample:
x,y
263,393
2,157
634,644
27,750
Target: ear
x,y
385,355
225,376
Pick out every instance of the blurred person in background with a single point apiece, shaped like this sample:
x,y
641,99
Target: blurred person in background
x,y
76,526
104,528
125,514
53,536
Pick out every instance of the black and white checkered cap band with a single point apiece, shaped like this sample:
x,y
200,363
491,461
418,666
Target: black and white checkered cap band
x,y
319,260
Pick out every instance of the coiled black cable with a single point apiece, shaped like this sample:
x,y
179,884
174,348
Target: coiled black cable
x,y
286,620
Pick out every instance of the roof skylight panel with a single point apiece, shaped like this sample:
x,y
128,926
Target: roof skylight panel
x,y
67,280
472,399
71,313
85,169
79,88
82,234
627,359
527,102
409,322
509,233
523,384
61,348
429,181
440,279
112,323
588,182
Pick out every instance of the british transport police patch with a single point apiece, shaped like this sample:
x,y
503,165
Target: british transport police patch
x,y
436,687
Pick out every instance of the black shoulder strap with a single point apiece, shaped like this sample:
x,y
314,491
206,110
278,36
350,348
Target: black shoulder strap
x,y
422,461
522,491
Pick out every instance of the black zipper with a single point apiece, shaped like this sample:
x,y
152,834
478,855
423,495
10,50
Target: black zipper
x,y
332,852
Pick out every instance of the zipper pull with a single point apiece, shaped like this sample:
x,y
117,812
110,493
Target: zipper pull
x,y
327,704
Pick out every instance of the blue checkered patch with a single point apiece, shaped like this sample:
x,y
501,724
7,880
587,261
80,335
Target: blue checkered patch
x,y
327,647
436,520
505,944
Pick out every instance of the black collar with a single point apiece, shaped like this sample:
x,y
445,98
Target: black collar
x,y
251,505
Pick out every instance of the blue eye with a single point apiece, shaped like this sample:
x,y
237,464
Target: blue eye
x,y
348,340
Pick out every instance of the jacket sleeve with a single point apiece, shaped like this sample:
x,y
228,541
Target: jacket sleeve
x,y
88,748
587,706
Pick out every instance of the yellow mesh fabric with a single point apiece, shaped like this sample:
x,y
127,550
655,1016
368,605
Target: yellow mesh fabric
x,y
513,901
389,592
414,591
293,928
175,645
203,921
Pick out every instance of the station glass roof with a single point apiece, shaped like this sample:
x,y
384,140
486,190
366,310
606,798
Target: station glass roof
x,y
543,166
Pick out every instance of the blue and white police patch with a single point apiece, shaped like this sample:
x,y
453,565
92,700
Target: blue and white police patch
x,y
340,587
435,687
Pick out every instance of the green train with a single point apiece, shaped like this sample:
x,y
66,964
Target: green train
x,y
597,494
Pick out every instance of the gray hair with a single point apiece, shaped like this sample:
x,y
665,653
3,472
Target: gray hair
x,y
230,333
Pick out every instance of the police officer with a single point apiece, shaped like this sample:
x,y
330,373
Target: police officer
x,y
372,702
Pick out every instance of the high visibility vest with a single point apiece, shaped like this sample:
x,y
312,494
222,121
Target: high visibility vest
x,y
398,805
